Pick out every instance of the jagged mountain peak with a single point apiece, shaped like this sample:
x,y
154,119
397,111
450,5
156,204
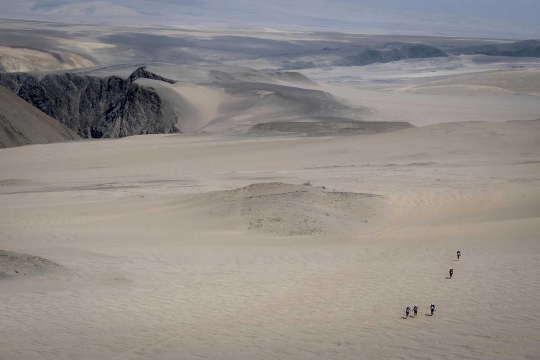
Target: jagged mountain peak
x,y
142,73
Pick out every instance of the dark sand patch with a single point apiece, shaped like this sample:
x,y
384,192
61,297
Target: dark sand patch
x,y
294,210
16,264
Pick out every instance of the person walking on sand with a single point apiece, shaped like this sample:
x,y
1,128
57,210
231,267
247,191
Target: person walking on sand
x,y
407,312
415,310
458,254
432,308
451,272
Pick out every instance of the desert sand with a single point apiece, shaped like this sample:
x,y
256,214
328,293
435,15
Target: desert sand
x,y
296,216
240,247
21,59
23,124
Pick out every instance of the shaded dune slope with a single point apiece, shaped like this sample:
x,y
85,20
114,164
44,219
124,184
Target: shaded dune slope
x,y
23,124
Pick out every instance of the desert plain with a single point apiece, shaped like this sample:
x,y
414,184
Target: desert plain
x,y
236,240
175,247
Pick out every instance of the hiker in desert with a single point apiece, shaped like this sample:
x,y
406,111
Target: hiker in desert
x,y
415,310
451,272
432,308
407,312
458,254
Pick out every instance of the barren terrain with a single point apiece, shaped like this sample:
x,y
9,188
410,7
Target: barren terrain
x,y
288,204
217,247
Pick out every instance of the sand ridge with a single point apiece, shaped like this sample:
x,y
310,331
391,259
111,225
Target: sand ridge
x,y
293,210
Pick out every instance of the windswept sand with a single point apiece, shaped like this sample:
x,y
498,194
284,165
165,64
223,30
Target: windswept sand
x,y
502,82
430,91
14,59
161,261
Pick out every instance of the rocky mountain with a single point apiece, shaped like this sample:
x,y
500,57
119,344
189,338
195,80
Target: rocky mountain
x,y
406,51
23,124
96,107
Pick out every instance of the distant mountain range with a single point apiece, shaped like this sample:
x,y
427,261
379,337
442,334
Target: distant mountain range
x,y
408,51
529,48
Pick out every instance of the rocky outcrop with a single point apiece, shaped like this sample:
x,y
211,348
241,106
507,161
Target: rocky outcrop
x,y
95,107
23,124
13,265
407,51
142,73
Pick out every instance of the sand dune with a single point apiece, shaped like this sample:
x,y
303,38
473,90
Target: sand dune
x,y
252,244
292,210
231,100
194,105
23,124
502,82
154,234
20,59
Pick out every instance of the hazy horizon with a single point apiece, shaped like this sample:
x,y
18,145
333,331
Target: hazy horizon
x,y
478,18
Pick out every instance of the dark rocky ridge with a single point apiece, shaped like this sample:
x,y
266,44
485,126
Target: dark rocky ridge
x,y
407,51
353,56
527,48
95,107
142,73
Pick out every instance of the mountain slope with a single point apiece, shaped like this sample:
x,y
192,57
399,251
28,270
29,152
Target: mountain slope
x,y
95,107
480,18
23,124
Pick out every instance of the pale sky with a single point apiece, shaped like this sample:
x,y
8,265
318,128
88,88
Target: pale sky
x,y
516,10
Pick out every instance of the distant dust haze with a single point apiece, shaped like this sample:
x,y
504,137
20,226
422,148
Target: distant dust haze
x,y
480,18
